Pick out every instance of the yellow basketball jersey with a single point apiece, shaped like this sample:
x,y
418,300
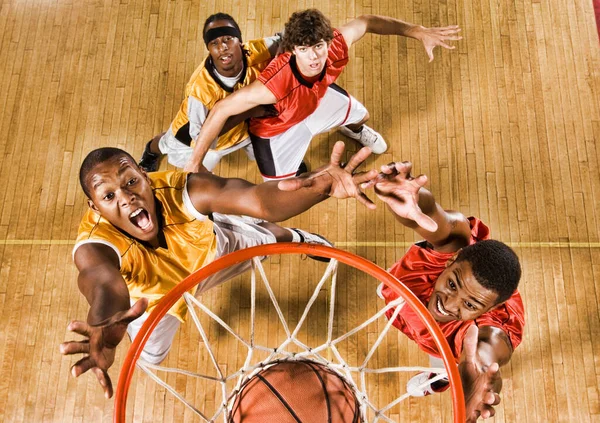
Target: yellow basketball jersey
x,y
152,272
206,88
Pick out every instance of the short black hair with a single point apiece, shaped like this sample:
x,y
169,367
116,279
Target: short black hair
x,y
306,28
221,17
495,266
96,157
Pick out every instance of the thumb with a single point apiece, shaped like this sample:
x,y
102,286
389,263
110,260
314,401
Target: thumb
x,y
131,314
425,221
470,343
294,184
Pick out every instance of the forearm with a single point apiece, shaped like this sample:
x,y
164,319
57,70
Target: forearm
x,y
106,297
277,205
385,25
234,121
212,127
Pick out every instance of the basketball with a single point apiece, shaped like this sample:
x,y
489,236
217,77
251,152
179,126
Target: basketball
x,y
295,391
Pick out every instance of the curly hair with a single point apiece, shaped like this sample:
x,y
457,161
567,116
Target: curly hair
x,y
495,266
306,28
95,157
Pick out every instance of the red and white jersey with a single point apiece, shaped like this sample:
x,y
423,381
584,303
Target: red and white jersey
x,y
297,98
419,270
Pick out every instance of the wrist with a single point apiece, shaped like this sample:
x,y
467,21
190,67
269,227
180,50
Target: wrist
x,y
414,31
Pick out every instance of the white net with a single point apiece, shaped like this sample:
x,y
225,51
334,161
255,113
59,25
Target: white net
x,y
332,351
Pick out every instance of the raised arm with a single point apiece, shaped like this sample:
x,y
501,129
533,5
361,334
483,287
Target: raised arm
x,y
276,201
110,312
415,207
485,350
385,25
237,103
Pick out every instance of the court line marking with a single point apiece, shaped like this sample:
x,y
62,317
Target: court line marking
x,y
345,244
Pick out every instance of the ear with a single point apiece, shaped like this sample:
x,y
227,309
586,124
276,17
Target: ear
x,y
452,259
93,206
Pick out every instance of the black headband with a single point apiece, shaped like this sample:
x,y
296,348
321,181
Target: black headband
x,y
213,33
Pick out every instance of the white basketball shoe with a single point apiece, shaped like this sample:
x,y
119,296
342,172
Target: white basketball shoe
x,y
367,137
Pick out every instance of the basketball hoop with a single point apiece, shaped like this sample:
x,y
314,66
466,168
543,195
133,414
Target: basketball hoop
x,y
327,354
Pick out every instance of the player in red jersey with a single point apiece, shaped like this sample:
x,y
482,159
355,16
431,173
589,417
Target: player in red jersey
x,y
300,83
468,283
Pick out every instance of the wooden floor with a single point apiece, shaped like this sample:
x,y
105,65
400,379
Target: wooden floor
x,y
506,126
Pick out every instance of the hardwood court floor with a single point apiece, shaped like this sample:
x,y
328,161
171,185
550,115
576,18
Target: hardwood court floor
x,y
506,126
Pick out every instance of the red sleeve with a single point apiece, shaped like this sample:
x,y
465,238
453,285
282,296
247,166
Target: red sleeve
x,y
275,76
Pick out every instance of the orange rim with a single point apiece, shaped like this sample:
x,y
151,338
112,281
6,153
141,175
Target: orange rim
x,y
360,263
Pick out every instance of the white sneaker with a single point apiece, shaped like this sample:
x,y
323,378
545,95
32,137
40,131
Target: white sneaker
x,y
368,137
316,239
420,385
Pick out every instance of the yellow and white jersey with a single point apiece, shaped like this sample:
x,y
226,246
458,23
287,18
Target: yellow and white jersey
x,y
151,272
205,88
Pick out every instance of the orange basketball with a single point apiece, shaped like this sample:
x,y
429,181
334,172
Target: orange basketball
x,y
293,392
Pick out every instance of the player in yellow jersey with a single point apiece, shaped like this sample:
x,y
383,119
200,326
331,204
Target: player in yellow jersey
x,y
230,66
144,233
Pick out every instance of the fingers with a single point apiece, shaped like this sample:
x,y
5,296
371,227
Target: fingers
x,y
429,51
82,366
337,152
77,326
357,159
128,315
75,347
104,381
365,178
366,201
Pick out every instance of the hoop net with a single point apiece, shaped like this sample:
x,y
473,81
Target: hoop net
x,y
330,351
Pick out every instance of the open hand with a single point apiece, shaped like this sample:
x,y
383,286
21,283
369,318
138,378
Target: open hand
x,y
433,37
336,179
400,191
100,345
481,383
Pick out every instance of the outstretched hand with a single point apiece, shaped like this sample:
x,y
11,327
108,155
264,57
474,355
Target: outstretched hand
x,y
481,383
433,37
400,191
100,345
336,179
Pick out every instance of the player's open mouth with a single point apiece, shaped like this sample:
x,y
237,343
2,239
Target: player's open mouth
x,y
225,59
315,65
141,219
440,308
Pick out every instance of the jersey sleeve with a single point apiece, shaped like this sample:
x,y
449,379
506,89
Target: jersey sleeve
x,y
274,77
509,317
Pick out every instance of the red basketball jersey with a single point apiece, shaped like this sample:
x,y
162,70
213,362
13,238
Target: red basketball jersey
x,y
419,270
296,97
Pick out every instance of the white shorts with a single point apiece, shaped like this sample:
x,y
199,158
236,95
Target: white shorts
x,y
233,233
178,153
280,156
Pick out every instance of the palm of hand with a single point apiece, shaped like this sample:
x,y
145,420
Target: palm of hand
x,y
401,195
478,384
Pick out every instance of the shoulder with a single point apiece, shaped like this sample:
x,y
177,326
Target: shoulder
x,y
259,51
338,48
96,230
278,68
203,87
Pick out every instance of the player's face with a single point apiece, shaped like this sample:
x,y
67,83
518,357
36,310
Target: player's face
x,y
225,51
457,295
311,59
121,193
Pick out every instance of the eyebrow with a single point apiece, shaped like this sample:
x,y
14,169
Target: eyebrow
x,y
460,284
